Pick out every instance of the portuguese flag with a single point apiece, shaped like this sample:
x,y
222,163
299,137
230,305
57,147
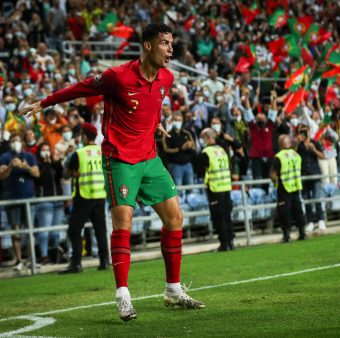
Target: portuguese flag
x,y
296,80
244,64
249,13
316,34
299,26
291,46
271,5
334,58
278,19
293,100
307,56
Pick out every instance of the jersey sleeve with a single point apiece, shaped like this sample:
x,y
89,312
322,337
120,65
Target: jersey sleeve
x,y
96,85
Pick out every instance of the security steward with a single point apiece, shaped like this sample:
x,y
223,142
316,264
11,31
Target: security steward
x,y
85,166
286,175
214,166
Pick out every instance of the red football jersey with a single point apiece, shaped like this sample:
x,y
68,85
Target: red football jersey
x,y
132,108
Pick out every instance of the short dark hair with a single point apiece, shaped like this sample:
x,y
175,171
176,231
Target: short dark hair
x,y
152,30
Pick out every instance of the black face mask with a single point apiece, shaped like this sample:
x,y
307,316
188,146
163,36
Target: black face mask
x,y
261,124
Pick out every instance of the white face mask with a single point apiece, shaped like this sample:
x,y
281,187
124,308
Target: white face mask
x,y
53,121
294,122
6,135
45,154
16,146
217,127
10,107
67,135
31,143
206,93
177,124
238,118
219,98
28,92
184,80
200,99
202,142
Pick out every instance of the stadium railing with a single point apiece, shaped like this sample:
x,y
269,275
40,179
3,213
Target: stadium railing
x,y
244,207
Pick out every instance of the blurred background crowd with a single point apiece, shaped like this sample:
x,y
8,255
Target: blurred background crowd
x,y
252,70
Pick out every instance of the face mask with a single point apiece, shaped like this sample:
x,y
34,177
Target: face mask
x,y
10,107
219,98
200,99
294,122
32,143
45,154
216,127
53,121
9,36
67,135
94,69
177,125
206,93
49,86
58,76
8,90
184,80
71,71
202,142
16,146
261,124
28,92
50,67
238,118
23,53
6,135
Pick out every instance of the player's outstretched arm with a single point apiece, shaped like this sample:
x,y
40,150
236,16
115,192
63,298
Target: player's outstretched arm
x,y
31,109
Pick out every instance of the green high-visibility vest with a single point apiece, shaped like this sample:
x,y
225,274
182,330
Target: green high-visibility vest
x,y
91,177
290,169
217,177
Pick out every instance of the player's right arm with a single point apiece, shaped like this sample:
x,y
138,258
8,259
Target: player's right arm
x,y
96,85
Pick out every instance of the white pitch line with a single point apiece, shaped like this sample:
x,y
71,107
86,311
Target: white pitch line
x,y
39,323
251,280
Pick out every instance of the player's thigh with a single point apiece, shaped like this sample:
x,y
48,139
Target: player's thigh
x,y
157,184
122,181
170,213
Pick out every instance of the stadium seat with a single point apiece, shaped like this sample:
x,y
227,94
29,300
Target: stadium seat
x,y
198,202
258,196
236,198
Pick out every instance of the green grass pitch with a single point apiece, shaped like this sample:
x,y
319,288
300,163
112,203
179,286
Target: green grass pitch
x,y
296,300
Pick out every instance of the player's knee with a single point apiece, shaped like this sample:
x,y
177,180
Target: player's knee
x,y
175,221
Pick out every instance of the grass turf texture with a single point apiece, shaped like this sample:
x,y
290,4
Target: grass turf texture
x,y
305,305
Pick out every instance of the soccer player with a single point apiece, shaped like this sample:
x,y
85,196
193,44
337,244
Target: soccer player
x,y
133,95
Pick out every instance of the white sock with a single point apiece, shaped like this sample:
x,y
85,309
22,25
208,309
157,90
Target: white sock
x,y
123,291
174,287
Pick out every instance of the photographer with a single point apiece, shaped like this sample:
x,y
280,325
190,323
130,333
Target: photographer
x,y
310,152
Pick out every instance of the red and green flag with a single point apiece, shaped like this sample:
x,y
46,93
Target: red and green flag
x,y
307,56
334,58
297,79
278,19
272,5
316,35
277,47
293,100
244,64
292,48
189,22
299,26
249,13
110,20
331,97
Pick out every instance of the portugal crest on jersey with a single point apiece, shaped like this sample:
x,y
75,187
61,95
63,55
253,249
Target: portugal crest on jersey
x,y
162,91
123,190
98,79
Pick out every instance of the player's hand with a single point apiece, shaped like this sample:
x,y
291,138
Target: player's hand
x,y
31,109
161,131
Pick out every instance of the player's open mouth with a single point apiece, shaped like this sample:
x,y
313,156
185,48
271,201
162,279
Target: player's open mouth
x,y
167,59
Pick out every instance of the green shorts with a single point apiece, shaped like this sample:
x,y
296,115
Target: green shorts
x,y
148,181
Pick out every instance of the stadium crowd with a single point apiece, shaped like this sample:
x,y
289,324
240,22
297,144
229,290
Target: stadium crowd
x,y
272,69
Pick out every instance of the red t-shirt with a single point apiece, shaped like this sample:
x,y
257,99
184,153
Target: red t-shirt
x,y
132,108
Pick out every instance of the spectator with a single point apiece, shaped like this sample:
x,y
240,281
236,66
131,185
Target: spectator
x,y
310,151
213,85
18,170
180,148
48,213
31,144
51,131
